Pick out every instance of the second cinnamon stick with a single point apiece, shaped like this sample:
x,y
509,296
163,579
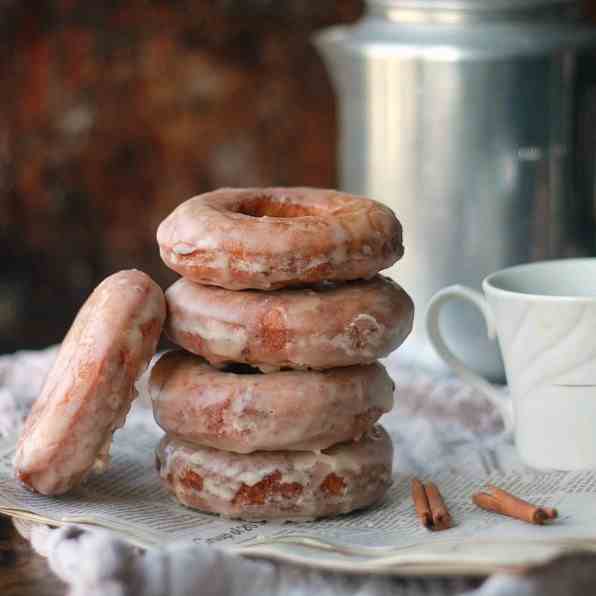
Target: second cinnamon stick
x,y
500,501
518,507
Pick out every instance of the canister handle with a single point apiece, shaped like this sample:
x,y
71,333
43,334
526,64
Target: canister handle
x,y
497,397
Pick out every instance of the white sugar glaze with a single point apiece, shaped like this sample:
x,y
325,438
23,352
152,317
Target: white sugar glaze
x,y
273,237
292,410
325,327
90,388
286,485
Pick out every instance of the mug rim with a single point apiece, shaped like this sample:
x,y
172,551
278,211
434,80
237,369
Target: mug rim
x,y
488,281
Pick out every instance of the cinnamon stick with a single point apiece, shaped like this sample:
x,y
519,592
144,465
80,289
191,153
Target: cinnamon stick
x,y
533,514
500,501
421,503
440,514
487,502
430,507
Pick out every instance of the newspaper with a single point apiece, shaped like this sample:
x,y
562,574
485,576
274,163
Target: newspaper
x,y
129,500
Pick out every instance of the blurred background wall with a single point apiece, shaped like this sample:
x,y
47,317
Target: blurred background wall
x,y
111,113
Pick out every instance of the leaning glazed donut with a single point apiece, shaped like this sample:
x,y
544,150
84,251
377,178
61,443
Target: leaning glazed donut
x,y
274,237
90,388
328,326
288,485
243,412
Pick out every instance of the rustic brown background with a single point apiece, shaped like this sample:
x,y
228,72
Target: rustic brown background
x,y
111,113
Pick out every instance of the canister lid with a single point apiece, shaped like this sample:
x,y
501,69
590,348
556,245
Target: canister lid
x,y
480,8
459,30
491,5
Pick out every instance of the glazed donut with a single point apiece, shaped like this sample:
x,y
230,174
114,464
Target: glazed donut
x,y
285,485
266,238
292,410
90,388
329,326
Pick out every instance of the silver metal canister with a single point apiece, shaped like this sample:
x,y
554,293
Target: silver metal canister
x,y
471,119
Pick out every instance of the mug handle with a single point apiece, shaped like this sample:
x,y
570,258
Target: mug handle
x,y
496,396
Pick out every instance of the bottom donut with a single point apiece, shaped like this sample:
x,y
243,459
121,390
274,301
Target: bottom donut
x,y
282,485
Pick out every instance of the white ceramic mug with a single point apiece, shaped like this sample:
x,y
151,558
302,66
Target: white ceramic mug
x,y
544,316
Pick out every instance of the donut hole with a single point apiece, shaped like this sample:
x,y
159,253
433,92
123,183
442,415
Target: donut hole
x,y
264,206
239,368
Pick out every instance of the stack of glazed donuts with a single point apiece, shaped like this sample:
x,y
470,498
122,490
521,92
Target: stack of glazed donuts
x,y
271,407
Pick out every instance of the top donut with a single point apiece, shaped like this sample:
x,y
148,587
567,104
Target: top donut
x,y
268,238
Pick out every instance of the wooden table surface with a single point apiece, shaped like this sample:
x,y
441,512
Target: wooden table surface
x,y
22,571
